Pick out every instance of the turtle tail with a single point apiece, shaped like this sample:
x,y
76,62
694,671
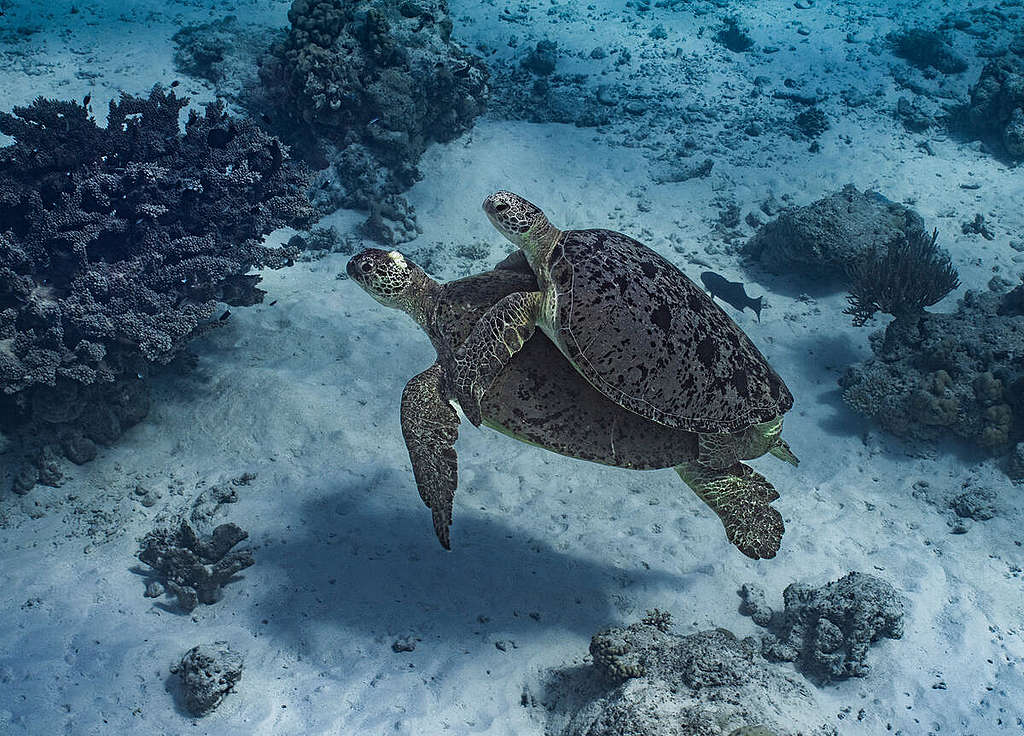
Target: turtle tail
x,y
782,451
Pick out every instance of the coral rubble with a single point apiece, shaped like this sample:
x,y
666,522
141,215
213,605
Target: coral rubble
x,y
195,569
208,673
648,682
827,631
116,244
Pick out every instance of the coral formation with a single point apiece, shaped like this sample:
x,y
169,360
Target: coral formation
x,y
926,49
195,569
374,82
116,244
827,631
648,682
912,274
995,113
827,236
959,374
208,673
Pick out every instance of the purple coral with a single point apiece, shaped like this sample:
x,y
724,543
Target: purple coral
x,y
116,244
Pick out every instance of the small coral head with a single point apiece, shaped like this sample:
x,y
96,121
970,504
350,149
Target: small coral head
x,y
514,217
385,275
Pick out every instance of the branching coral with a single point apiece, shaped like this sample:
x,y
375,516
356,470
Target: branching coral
x,y
195,569
913,274
117,243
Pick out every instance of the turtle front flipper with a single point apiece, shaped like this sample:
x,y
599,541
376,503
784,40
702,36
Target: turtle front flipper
x,y
496,338
741,497
430,426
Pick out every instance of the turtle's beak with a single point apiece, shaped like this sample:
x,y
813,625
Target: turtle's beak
x,y
350,268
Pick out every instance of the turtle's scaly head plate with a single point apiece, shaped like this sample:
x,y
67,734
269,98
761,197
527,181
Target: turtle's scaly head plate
x,y
384,275
512,215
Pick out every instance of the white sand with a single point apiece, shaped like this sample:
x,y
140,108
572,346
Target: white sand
x,y
546,549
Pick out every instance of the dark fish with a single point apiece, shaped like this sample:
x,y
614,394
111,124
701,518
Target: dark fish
x,y
730,292
86,100
175,83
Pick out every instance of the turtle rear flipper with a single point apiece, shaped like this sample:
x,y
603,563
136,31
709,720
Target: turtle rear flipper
x,y
430,426
741,497
496,338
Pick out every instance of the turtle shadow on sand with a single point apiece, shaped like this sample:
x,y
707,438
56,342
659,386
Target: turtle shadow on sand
x,y
358,558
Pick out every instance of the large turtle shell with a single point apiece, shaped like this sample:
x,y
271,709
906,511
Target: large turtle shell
x,y
540,399
651,340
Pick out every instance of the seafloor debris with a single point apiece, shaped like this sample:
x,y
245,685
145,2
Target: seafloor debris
x,y
648,682
195,569
827,631
208,673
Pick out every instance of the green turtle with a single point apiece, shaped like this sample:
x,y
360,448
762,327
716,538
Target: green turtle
x,y
637,329
538,398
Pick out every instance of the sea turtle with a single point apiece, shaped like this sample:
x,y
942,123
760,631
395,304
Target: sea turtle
x,y
637,329
540,399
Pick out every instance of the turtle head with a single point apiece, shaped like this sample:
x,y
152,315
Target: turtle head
x,y
388,277
515,218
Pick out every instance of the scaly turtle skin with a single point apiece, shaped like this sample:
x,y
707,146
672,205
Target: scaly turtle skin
x,y
637,329
538,398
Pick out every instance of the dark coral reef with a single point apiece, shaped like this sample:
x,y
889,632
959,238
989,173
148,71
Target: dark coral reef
x,y
959,374
374,82
995,112
116,244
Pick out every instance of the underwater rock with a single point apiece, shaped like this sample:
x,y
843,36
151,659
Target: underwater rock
x,y
116,245
925,49
226,53
368,86
734,37
995,113
208,673
195,569
648,682
827,631
811,123
1015,465
541,60
977,504
959,374
825,237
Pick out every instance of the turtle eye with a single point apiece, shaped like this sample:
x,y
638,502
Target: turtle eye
x,y
365,267
501,207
